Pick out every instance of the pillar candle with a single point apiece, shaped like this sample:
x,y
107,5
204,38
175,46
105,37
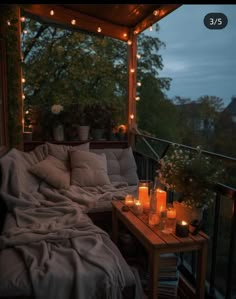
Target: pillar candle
x,y
129,200
161,200
143,196
138,207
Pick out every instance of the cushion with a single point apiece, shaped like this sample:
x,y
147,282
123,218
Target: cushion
x,y
53,171
88,169
60,151
121,165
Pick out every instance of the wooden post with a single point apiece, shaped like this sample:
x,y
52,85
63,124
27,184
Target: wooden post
x,y
132,73
10,77
3,83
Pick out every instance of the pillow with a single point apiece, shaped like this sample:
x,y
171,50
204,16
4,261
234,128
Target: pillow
x,y
88,169
121,165
60,151
53,171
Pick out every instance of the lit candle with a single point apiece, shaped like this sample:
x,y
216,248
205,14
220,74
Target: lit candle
x,y
182,229
138,207
171,219
153,219
129,200
161,199
143,196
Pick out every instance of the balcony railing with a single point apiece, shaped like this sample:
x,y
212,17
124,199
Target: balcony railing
x,y
221,228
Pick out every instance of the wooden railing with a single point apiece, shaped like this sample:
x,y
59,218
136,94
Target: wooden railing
x,y
147,164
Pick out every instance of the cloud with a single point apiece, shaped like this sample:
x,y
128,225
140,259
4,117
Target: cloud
x,y
199,60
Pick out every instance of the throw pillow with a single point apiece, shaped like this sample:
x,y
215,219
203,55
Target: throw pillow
x,y
60,151
53,171
88,169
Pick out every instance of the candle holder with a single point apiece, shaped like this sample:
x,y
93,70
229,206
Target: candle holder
x,y
171,219
138,207
129,200
182,229
144,189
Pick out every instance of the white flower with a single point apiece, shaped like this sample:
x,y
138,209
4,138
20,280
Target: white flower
x,y
57,108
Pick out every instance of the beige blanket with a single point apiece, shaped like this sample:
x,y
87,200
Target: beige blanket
x,y
66,254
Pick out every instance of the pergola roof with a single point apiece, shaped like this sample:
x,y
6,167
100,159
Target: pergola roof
x,y
119,21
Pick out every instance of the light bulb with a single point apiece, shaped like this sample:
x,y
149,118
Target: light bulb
x,y
8,23
131,116
52,12
156,12
22,19
99,29
150,28
23,96
139,83
25,31
138,56
129,42
125,34
135,31
137,98
27,112
132,70
73,22
23,80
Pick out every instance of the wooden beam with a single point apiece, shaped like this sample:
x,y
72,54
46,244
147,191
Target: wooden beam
x,y
64,16
159,13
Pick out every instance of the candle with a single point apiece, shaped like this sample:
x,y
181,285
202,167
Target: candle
x,y
161,199
171,219
138,207
182,229
143,196
153,219
129,200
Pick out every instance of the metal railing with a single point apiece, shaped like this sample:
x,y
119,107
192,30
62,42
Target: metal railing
x,y
147,162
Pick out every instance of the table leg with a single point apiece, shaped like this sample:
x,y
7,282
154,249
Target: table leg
x,y
114,226
154,264
201,271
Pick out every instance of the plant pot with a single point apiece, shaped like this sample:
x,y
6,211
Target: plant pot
x,y
187,214
98,134
83,132
58,132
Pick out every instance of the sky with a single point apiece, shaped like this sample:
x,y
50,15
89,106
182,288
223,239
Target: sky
x,y
199,60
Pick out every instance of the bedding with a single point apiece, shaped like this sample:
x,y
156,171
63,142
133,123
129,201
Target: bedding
x,y
58,251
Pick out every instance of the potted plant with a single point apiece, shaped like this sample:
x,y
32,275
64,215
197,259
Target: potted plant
x,y
102,118
192,175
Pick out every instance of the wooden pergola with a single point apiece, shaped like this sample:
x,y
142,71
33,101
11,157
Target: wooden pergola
x,y
119,21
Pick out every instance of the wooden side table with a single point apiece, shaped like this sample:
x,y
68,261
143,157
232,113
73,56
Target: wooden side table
x,y
157,243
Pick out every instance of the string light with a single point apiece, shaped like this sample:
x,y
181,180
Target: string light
x,y
129,42
73,21
125,34
139,83
25,31
135,31
138,56
23,96
156,12
137,98
8,23
131,116
150,28
132,70
99,29
27,112
22,19
23,80
52,12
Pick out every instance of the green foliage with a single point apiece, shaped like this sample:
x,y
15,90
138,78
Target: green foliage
x,y
192,174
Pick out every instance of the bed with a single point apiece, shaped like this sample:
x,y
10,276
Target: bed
x,y
50,247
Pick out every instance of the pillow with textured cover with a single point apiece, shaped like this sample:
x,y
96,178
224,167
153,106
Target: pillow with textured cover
x,y
88,169
121,165
53,171
60,151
